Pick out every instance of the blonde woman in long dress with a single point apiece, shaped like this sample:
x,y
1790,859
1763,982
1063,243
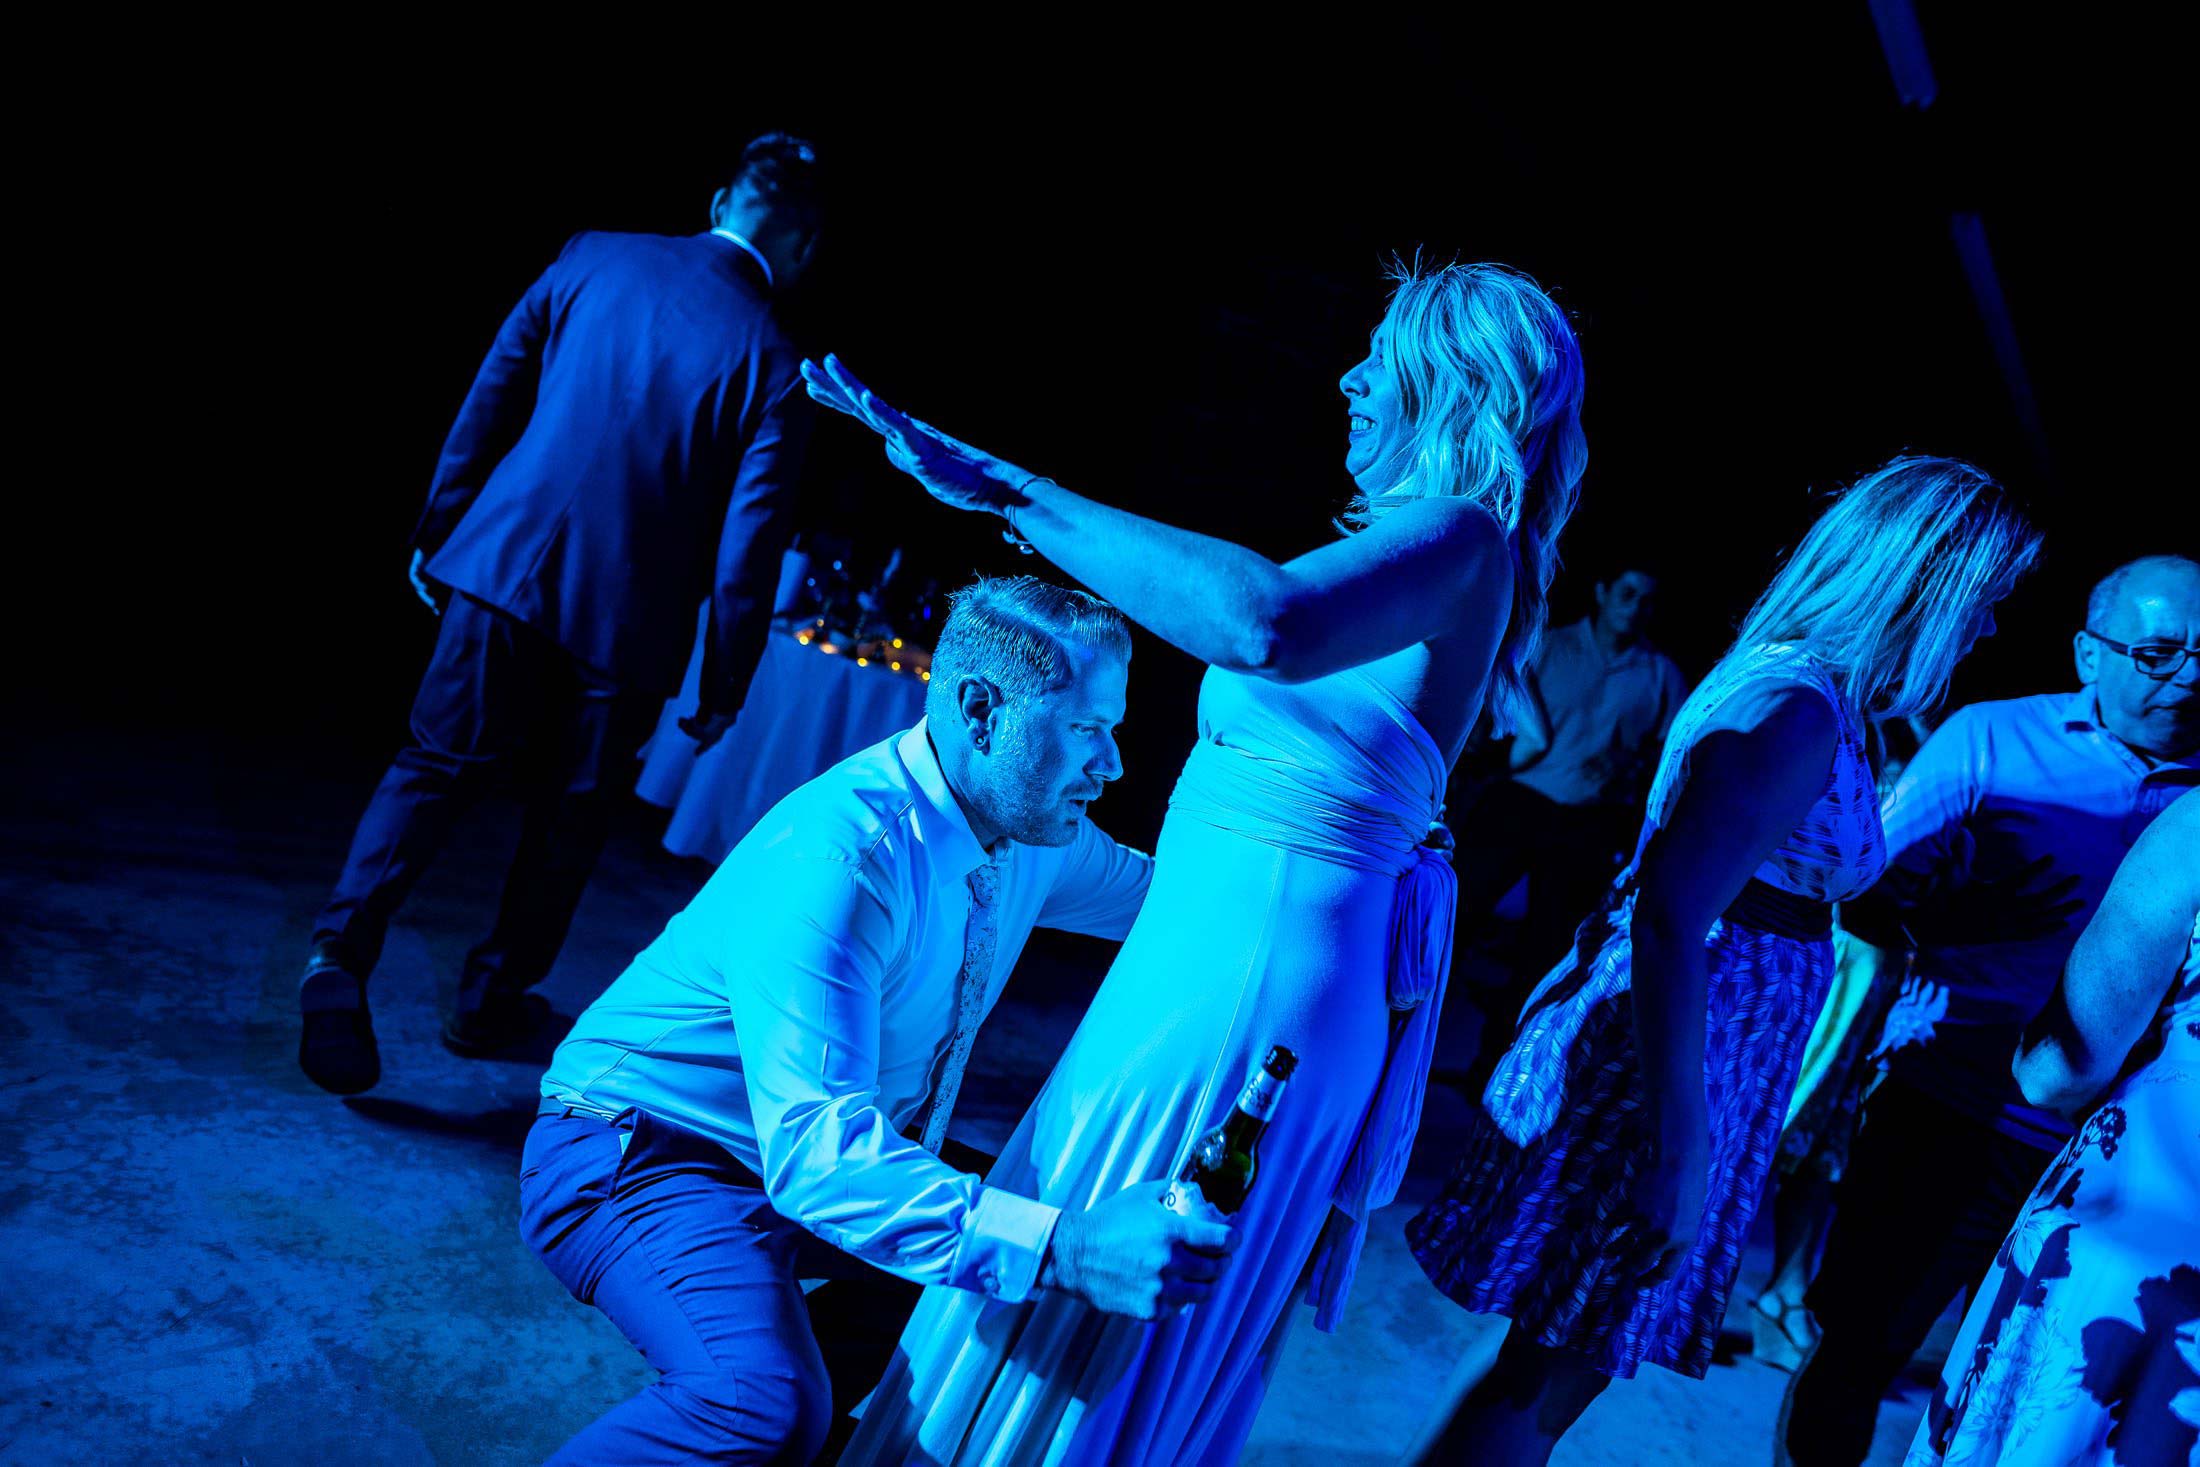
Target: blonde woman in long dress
x,y
1297,899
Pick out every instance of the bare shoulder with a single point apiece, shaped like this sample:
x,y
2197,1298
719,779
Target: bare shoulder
x,y
2167,852
2177,827
1466,540
1454,533
1763,754
1463,521
1791,714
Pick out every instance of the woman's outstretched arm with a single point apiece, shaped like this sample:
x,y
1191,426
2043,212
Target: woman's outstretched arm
x,y
2125,959
1435,566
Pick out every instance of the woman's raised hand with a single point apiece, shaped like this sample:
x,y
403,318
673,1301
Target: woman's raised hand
x,y
950,470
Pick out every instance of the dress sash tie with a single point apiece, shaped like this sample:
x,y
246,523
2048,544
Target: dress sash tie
x,y
1420,969
1366,805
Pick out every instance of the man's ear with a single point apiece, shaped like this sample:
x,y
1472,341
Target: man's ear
x,y
718,202
979,703
2085,653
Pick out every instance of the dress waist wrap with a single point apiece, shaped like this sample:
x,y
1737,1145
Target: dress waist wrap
x,y
1274,803
1767,908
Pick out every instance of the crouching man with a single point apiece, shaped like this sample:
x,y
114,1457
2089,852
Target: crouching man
x,y
774,1074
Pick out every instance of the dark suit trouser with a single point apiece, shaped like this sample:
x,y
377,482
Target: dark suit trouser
x,y
499,701
1569,854
1922,1208
676,1243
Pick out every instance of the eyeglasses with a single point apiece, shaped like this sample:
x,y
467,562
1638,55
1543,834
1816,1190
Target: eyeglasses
x,y
2159,660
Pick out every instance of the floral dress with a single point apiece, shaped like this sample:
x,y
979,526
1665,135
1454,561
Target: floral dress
x,y
2083,1343
1534,1222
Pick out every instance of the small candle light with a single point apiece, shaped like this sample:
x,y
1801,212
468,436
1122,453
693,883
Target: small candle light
x,y
863,662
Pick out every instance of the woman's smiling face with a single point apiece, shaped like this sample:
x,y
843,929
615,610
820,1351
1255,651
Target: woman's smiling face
x,y
1375,426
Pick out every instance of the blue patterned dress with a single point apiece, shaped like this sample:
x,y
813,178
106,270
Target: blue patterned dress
x,y
1533,1223
2083,1343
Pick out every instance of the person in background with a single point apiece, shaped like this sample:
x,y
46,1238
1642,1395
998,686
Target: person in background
x,y
1624,1143
629,448
1600,698
2002,836
2077,1346
778,1068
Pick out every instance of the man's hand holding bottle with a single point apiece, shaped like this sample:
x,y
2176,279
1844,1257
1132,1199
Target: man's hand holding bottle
x,y
1131,1255
1158,1249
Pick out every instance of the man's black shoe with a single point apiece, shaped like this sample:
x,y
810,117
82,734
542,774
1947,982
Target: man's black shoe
x,y
496,1026
336,1045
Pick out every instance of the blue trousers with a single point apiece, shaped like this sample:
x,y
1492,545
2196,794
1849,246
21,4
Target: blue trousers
x,y
499,701
676,1243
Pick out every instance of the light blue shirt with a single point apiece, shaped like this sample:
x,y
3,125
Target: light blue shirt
x,y
1607,717
797,1010
1997,786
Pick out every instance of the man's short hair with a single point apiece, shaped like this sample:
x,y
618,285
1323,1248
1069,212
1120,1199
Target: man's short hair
x,y
1019,633
781,170
2101,604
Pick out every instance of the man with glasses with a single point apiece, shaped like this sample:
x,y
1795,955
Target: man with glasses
x,y
2002,836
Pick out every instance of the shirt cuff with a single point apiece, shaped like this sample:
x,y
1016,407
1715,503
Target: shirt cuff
x,y
1004,1242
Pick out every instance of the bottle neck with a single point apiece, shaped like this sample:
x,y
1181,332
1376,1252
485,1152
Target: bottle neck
x,y
1254,1106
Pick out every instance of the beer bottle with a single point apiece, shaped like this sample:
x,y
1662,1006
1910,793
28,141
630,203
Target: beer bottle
x,y
1221,1167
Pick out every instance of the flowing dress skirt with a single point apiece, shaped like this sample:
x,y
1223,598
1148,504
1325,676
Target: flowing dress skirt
x,y
1534,1223
1241,945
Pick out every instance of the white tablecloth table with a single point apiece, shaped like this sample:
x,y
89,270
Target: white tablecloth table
x,y
806,711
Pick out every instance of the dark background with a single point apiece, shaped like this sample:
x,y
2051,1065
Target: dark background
x,y
1132,254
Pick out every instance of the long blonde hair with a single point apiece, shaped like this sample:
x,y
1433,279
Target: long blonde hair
x,y
1885,589
1490,376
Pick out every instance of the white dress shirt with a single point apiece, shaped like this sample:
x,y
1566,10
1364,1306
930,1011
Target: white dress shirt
x,y
796,1010
1607,717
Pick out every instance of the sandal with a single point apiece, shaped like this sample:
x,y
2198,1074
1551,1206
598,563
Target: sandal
x,y
1781,1337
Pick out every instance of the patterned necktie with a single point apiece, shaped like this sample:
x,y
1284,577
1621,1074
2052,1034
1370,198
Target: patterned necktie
x,y
970,990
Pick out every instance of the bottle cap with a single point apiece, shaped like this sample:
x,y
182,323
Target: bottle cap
x,y
1281,1062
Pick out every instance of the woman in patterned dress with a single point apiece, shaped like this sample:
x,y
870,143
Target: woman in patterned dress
x,y
2074,1346
1627,1135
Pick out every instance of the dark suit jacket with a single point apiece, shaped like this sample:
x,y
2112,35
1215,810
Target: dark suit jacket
x,y
630,447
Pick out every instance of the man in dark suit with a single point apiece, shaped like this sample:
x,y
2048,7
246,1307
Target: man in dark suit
x,y
629,449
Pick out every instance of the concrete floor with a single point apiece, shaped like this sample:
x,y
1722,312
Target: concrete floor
x,y
215,1262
